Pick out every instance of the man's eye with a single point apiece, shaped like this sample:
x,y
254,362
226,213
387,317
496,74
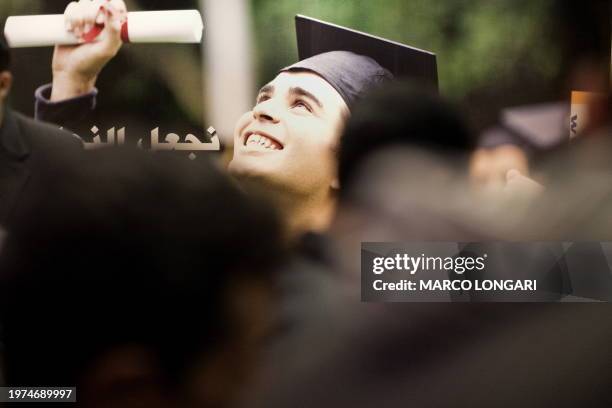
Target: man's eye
x,y
302,104
262,98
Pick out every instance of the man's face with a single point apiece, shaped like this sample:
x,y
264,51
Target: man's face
x,y
290,136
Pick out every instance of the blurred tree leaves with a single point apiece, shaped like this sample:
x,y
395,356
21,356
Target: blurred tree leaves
x,y
478,42
491,53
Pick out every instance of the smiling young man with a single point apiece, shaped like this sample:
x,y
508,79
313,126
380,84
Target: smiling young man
x,y
288,142
286,146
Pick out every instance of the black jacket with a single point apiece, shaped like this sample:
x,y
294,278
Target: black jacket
x,y
28,148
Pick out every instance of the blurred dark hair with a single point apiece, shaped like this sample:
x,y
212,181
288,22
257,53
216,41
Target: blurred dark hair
x,y
400,114
5,55
125,247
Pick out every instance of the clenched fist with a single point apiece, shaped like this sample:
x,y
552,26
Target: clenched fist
x,y
76,67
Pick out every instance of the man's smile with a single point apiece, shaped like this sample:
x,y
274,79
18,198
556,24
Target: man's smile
x,y
261,141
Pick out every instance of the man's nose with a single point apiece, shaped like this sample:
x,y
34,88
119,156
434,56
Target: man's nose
x,y
266,112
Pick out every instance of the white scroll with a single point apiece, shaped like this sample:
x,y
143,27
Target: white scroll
x,y
171,26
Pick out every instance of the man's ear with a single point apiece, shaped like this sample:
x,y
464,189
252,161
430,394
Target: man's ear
x,y
6,81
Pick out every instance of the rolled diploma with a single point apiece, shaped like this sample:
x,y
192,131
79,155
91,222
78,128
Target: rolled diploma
x,y
170,26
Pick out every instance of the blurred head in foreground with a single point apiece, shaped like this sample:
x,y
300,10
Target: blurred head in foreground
x,y
143,280
402,167
401,117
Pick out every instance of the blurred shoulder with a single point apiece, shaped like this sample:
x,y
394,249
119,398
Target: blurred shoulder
x,y
46,135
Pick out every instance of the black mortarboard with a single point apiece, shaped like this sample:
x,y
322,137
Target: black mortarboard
x,y
352,62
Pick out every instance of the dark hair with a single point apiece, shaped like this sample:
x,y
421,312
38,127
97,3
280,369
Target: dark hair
x,y
125,247
5,56
400,113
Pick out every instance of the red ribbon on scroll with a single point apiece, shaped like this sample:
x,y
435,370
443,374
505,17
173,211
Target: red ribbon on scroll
x,y
98,28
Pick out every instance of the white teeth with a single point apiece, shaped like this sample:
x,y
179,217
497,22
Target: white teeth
x,y
263,141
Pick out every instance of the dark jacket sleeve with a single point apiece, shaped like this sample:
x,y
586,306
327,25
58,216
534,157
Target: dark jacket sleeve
x,y
75,114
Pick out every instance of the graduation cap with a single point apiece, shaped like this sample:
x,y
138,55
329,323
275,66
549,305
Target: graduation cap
x,y
353,61
534,128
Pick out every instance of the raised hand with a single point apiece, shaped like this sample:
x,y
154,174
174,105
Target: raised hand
x,y
76,68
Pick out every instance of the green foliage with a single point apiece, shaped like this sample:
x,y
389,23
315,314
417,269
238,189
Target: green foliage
x,y
478,42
